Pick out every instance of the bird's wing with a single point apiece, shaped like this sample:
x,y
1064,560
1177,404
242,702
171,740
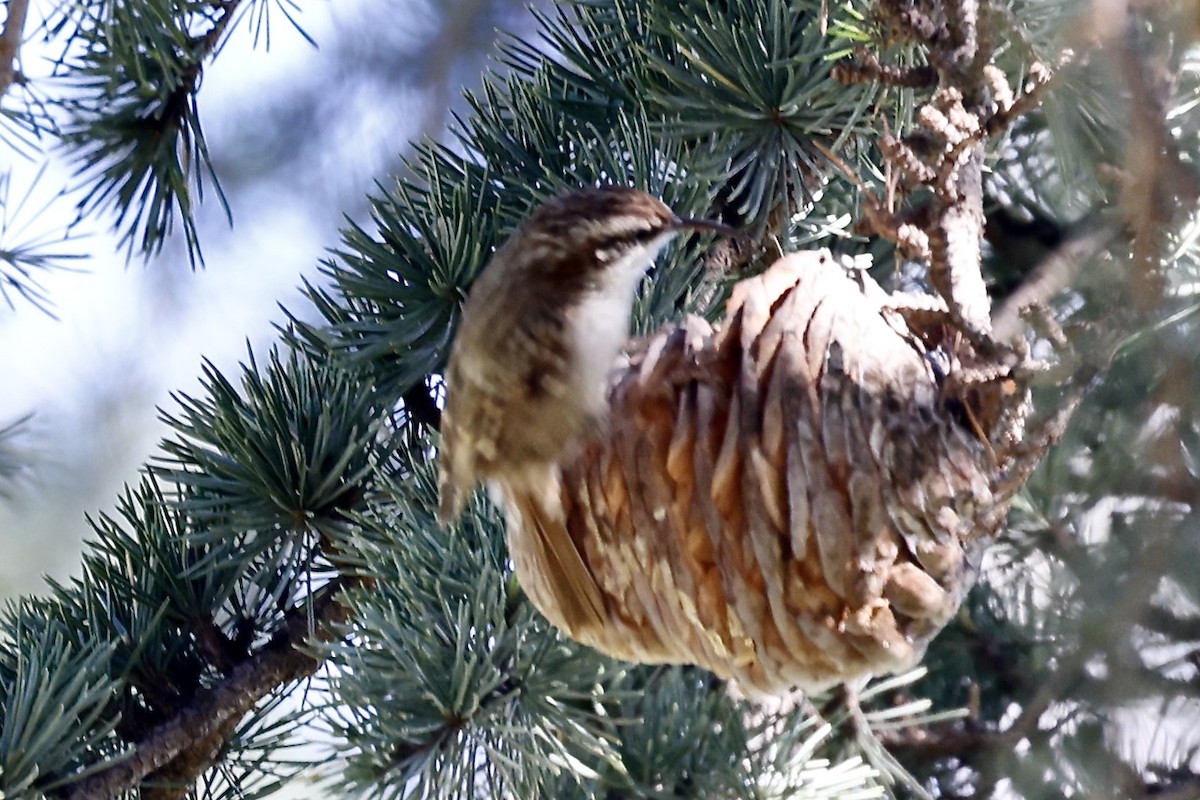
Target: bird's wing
x,y
563,586
506,390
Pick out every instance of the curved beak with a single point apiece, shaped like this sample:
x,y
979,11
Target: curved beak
x,y
682,223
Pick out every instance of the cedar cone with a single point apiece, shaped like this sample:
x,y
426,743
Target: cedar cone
x,y
790,500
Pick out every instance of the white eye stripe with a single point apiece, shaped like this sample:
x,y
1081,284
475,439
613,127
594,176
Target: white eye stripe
x,y
624,224
633,252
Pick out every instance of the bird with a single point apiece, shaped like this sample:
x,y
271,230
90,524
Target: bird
x,y
526,379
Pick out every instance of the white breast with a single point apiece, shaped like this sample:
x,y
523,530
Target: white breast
x,y
600,324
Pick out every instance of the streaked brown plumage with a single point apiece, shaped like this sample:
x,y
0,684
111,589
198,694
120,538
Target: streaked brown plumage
x,y
540,331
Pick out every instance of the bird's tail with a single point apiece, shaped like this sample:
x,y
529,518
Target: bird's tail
x,y
450,499
549,564
456,475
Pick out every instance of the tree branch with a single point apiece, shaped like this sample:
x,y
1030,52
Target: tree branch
x,y
972,102
1050,277
215,711
866,67
207,45
10,44
1158,182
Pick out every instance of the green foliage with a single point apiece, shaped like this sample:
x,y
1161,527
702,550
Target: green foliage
x,y
12,461
395,301
92,669
135,591
284,458
448,683
133,126
53,692
135,129
774,94
689,735
743,109
267,477
601,113
181,587
24,254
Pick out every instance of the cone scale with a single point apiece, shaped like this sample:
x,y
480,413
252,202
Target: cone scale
x,y
788,499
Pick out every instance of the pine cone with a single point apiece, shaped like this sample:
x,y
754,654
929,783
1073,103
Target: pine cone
x,y
788,501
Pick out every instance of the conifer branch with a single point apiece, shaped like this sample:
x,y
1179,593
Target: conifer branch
x,y
208,44
972,103
1051,276
186,745
176,105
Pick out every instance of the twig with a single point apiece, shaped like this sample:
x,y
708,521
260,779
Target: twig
x,y
1026,455
1171,624
216,710
207,45
908,237
1040,76
866,67
1049,278
1158,179
10,44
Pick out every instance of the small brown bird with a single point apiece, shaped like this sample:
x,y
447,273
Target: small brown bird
x,y
541,330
